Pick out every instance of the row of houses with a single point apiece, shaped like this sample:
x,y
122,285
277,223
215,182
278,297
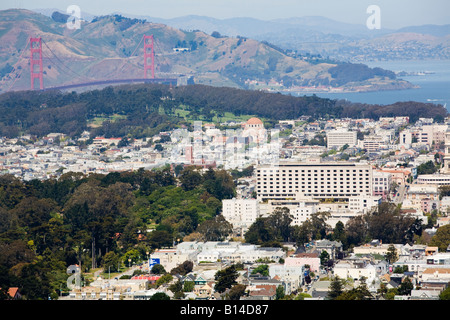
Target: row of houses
x,y
296,270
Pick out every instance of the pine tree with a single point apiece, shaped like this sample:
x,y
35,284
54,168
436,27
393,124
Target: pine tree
x,y
336,288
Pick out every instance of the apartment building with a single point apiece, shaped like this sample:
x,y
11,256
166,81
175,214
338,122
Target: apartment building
x,y
241,213
437,179
302,209
434,133
372,143
314,179
427,134
363,203
339,138
405,138
382,182
446,168
422,196
303,212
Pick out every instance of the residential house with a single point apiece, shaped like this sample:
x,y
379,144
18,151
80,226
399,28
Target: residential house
x,y
424,294
319,289
262,292
301,259
171,258
355,269
375,247
422,196
204,291
333,248
435,278
14,293
293,276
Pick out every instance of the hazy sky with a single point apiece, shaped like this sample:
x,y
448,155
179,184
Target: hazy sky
x,y
394,13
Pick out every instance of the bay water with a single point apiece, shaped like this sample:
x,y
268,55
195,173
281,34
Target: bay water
x,y
433,82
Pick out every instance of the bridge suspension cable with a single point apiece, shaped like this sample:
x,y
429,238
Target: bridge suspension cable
x,y
64,65
56,61
14,67
135,49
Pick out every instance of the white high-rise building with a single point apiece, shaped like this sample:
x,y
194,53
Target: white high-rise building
x,y
241,213
317,180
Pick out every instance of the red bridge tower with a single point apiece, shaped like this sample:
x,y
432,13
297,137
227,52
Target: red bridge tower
x,y
147,54
36,61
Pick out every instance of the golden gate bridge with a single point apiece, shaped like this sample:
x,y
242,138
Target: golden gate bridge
x,y
36,45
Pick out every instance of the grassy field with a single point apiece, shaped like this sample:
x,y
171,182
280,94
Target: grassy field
x,y
98,121
183,112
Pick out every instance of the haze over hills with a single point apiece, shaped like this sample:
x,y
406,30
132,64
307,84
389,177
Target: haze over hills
x,y
107,48
329,38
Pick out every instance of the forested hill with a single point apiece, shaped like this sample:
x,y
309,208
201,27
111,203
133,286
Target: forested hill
x,y
279,107
145,109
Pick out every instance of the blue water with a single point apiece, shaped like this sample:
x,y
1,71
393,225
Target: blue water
x,y
434,88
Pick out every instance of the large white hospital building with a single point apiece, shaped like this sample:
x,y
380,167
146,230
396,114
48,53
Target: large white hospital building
x,y
314,179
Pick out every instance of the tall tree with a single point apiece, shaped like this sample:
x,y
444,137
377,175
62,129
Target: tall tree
x,y
190,178
441,239
258,232
336,288
405,287
237,291
359,293
225,278
279,224
388,224
356,230
216,229
340,235
391,254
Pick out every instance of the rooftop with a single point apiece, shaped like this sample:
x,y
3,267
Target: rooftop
x,y
254,121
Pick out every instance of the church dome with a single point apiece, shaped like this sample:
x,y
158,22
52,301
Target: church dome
x,y
253,121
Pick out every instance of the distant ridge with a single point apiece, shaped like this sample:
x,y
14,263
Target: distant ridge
x,y
109,47
315,35
321,35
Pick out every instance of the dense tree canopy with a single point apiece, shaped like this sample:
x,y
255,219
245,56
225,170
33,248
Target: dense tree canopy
x,y
348,72
100,220
385,223
145,110
442,238
103,220
274,228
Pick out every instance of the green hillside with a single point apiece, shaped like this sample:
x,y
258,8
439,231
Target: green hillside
x,y
143,110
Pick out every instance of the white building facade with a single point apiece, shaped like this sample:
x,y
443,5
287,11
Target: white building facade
x,y
241,213
315,180
339,138
382,182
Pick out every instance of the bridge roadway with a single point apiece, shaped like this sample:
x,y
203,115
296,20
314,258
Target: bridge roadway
x,y
101,82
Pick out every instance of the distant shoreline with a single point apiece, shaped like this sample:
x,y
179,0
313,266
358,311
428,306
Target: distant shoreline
x,y
314,90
